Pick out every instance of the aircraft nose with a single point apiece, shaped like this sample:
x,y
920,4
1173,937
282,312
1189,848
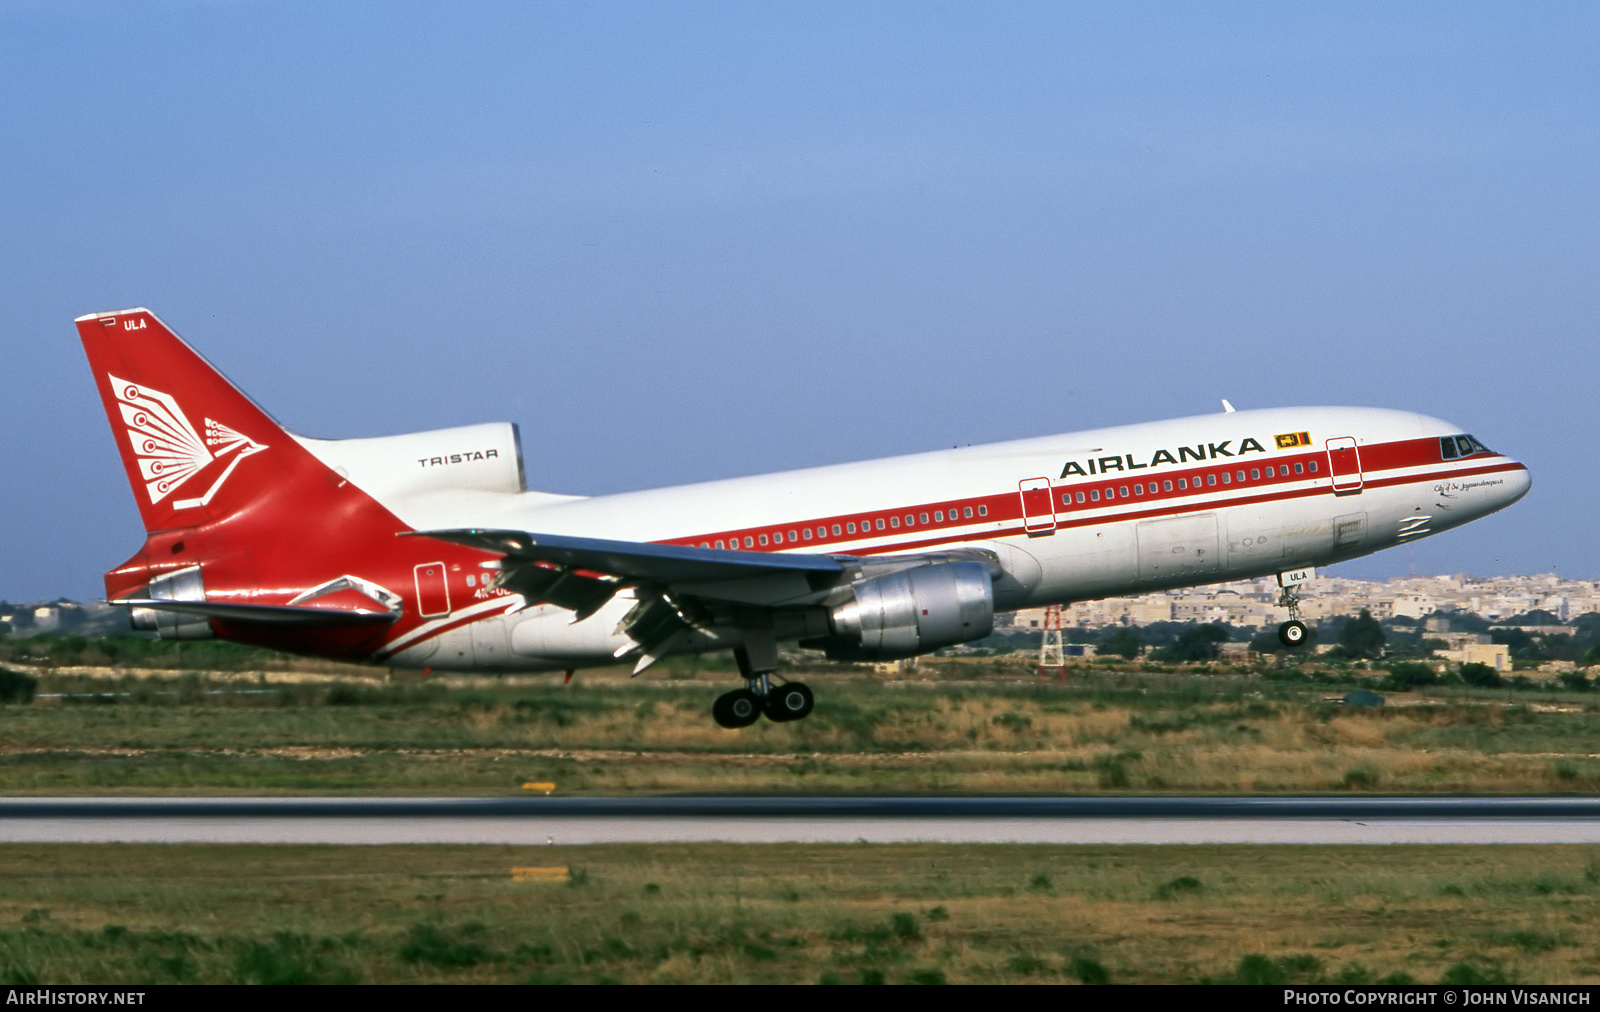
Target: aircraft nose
x,y
1517,483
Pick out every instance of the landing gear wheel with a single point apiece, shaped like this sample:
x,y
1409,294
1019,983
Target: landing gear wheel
x,y
739,708
791,701
1293,634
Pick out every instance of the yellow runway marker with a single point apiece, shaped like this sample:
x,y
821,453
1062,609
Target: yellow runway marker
x,y
539,785
553,874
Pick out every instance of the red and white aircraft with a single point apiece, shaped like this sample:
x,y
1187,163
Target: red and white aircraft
x,y
426,550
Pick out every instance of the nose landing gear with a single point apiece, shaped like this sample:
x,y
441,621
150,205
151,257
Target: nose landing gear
x,y
1293,633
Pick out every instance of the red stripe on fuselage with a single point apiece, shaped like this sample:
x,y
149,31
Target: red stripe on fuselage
x,y
1006,507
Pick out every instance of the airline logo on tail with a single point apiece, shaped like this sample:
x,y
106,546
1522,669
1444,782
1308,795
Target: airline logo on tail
x,y
169,450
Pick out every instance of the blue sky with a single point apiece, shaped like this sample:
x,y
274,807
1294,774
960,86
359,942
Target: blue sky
x,y
687,241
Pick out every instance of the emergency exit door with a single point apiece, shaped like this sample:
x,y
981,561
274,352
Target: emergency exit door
x,y
1038,506
1344,464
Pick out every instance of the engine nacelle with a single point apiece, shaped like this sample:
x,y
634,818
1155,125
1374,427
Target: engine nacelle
x,y
913,612
181,585
483,458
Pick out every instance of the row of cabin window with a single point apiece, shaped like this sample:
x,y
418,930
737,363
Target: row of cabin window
x,y
804,533
1228,478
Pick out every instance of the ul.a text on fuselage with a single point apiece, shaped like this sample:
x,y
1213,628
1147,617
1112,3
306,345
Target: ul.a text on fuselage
x,y
427,550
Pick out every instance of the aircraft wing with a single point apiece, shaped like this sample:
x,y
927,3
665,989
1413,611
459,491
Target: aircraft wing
x,y
682,592
636,562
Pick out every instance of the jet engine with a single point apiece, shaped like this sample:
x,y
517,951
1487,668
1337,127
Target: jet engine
x,y
912,612
182,585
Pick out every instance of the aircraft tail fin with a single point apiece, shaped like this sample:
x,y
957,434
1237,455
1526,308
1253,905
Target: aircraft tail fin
x,y
194,447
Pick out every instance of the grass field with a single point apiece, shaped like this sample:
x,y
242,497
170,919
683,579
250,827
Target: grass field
x,y
838,913
811,913
957,727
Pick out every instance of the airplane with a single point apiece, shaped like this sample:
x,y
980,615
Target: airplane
x,y
428,551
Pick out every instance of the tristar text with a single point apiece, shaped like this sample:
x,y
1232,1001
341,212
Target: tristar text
x,y
1183,454
457,458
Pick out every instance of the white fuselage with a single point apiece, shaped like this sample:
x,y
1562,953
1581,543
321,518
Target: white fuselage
x,y
1072,517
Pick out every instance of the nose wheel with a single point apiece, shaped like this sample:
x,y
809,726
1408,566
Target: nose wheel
x,y
1294,633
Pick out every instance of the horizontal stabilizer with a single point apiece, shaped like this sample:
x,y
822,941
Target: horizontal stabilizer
x,y
638,561
274,614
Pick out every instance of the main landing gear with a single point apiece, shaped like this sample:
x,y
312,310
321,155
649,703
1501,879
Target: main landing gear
x,y
778,703
1293,633
759,697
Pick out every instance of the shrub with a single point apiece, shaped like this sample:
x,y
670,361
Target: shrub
x,y
1362,636
1467,973
1405,675
288,959
1124,642
1011,720
1360,778
1195,643
904,926
1480,675
1258,969
17,686
1182,885
427,944
1576,681
1088,971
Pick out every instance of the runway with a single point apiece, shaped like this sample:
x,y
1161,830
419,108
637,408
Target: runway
x,y
555,820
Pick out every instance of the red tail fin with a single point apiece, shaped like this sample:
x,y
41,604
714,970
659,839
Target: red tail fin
x,y
246,528
195,448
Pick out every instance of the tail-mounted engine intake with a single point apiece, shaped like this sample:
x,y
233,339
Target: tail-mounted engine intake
x,y
913,612
182,585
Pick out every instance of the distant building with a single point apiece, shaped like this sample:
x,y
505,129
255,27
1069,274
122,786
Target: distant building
x,y
1253,603
1496,655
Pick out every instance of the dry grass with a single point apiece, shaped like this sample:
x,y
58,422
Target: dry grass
x,y
721,913
1106,731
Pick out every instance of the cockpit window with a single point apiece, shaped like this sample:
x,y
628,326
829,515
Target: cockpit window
x,y
1451,447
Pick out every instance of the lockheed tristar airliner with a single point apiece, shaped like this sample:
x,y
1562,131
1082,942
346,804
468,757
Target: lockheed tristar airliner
x,y
428,551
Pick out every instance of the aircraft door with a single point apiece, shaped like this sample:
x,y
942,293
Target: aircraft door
x,y
1038,506
433,590
1344,464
